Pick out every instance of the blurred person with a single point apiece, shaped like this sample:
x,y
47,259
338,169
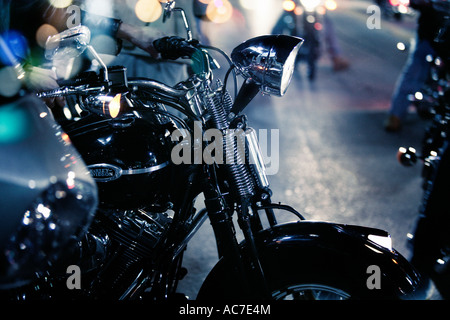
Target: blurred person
x,y
308,24
35,20
417,68
143,29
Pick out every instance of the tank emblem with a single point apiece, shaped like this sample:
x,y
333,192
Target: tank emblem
x,y
104,172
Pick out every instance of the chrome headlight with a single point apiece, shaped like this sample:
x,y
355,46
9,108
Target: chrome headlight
x,y
268,60
52,222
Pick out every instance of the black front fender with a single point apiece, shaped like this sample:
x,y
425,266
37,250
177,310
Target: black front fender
x,y
325,252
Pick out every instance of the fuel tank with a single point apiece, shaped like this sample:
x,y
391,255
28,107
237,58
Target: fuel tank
x,y
128,158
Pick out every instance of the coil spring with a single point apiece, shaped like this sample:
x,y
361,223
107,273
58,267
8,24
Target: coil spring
x,y
223,98
219,105
236,167
217,112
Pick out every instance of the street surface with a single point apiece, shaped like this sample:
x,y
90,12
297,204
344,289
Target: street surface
x,y
336,162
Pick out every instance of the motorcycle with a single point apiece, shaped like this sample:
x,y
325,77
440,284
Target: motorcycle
x,y
428,98
154,149
431,245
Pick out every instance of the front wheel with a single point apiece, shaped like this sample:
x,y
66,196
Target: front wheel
x,y
309,273
292,278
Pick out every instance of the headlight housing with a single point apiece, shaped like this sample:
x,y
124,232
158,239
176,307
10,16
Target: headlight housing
x,y
268,60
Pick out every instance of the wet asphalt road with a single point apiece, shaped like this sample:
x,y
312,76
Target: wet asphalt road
x,y
336,162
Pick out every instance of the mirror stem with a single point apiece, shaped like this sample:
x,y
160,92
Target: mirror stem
x,y
186,23
169,8
248,91
99,60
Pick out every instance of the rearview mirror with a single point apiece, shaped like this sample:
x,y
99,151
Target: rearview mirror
x,y
68,44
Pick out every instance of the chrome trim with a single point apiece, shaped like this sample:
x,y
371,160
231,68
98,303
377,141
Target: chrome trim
x,y
145,170
255,157
384,241
156,85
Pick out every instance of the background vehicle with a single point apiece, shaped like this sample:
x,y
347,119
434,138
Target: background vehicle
x,y
430,240
48,196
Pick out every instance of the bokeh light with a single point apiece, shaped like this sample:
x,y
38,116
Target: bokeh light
x,y
321,10
418,95
249,4
298,11
14,47
401,46
288,5
148,10
330,5
14,123
43,32
219,11
60,3
10,83
310,18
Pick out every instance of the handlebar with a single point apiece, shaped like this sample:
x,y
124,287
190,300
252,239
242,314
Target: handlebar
x,y
67,91
86,90
157,86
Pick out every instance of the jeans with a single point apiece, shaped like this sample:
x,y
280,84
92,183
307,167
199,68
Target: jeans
x,y
412,78
169,73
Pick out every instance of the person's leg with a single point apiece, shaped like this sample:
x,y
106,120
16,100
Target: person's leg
x,y
169,73
412,78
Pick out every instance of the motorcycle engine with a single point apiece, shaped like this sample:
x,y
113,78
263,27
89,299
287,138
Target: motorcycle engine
x,y
117,247
129,159
120,244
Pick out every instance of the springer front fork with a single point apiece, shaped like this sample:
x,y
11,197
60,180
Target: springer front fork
x,y
248,185
242,261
